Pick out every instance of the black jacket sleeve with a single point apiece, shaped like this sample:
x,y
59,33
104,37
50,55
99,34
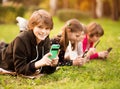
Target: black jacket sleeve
x,y
21,63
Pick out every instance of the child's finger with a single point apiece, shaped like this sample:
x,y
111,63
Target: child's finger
x,y
48,54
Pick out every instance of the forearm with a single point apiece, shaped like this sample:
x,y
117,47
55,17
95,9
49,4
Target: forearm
x,y
27,69
38,64
94,56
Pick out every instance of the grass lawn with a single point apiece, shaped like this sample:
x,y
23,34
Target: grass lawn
x,y
96,74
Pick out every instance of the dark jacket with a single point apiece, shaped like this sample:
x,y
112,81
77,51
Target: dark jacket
x,y
20,55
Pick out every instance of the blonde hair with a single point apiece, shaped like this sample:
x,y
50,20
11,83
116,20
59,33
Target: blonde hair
x,y
40,18
72,25
94,29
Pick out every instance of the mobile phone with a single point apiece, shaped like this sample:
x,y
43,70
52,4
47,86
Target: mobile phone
x,y
84,54
54,50
96,44
109,49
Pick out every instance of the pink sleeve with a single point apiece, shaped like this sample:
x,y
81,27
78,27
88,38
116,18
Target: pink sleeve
x,y
94,56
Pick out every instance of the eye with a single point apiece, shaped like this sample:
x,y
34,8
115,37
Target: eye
x,y
40,27
47,28
77,35
91,35
98,35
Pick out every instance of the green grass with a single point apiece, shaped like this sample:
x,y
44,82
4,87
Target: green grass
x,y
96,74
8,32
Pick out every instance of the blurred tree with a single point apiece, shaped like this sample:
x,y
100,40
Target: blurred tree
x,y
27,2
0,1
94,8
3,1
44,4
115,10
73,4
65,3
53,6
85,5
107,8
99,8
78,4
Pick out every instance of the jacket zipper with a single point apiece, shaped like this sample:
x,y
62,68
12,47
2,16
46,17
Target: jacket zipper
x,y
37,54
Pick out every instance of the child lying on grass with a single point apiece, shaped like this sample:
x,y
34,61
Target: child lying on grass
x,y
29,53
93,33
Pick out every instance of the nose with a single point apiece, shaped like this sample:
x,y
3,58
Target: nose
x,y
78,38
43,30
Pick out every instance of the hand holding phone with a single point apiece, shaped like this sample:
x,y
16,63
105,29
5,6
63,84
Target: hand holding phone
x,y
84,54
54,50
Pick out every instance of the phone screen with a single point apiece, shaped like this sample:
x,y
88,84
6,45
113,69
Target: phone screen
x,y
54,50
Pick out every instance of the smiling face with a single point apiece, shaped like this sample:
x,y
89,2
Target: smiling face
x,y
74,36
41,33
40,23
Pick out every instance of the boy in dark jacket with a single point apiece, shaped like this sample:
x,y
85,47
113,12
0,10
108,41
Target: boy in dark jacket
x,y
29,51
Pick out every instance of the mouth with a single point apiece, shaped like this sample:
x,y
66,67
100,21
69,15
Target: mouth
x,y
41,35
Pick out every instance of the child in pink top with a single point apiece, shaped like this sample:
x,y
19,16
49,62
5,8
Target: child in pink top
x,y
93,33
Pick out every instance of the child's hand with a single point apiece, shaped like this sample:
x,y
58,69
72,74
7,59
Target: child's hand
x,y
103,54
45,61
90,52
78,61
54,61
